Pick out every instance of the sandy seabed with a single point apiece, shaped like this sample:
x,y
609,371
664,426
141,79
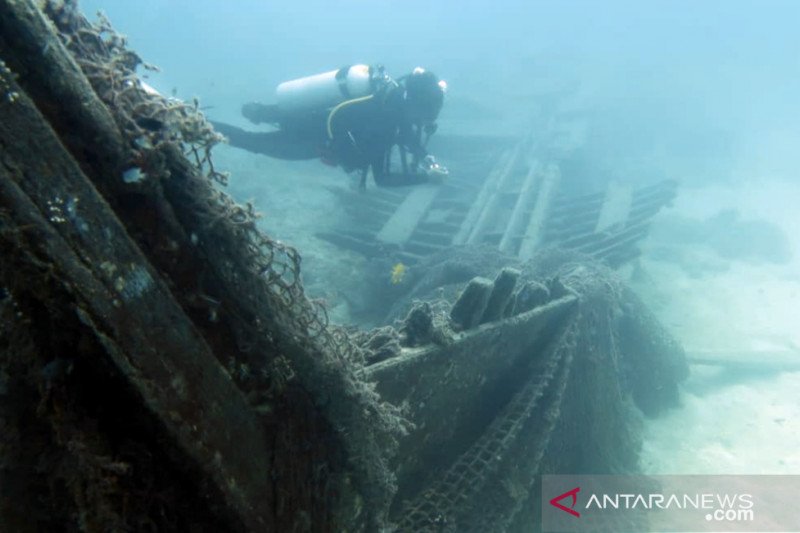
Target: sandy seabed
x,y
740,421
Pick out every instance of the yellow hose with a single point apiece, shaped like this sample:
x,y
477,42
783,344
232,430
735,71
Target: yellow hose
x,y
340,106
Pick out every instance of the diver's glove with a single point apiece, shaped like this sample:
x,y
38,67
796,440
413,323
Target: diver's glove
x,y
433,170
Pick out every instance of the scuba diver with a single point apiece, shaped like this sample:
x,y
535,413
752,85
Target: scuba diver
x,y
356,117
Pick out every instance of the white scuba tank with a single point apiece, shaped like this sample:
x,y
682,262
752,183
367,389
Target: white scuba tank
x,y
324,90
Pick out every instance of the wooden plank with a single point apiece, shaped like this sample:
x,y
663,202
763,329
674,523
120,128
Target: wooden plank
x,y
490,187
523,207
411,213
750,361
616,206
495,193
121,297
533,233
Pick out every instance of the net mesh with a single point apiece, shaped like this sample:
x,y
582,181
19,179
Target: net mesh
x,y
262,275
450,503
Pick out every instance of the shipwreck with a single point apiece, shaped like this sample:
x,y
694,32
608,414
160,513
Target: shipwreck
x,y
161,368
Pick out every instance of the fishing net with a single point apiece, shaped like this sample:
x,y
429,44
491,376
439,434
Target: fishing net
x,y
574,405
246,283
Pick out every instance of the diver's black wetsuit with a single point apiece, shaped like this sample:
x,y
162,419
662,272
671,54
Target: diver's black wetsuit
x,y
360,134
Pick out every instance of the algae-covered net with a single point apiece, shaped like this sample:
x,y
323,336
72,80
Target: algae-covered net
x,y
578,380
140,147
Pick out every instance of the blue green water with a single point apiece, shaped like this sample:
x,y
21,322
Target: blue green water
x,y
701,92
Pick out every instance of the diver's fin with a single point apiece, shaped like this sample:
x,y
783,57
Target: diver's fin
x,y
261,113
277,144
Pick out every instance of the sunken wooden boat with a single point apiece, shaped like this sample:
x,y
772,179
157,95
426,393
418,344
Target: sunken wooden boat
x,y
161,368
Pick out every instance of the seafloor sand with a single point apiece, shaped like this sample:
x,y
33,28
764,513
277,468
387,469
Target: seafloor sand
x,y
732,421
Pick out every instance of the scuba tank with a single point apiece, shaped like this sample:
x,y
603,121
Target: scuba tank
x,y
324,90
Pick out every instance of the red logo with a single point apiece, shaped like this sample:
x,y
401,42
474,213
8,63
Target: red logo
x,y
571,509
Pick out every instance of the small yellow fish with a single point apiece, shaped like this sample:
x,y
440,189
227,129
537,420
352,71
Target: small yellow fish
x,y
398,273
